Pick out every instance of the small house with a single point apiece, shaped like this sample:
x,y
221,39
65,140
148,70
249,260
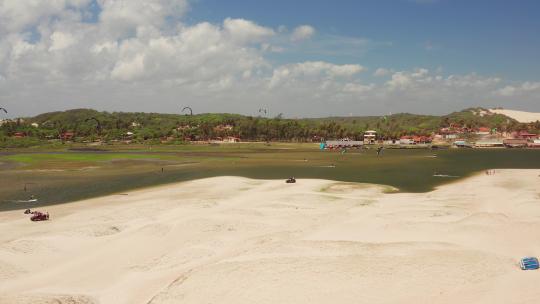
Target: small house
x,y
515,143
406,140
370,137
231,139
421,139
67,136
483,131
489,144
526,135
534,144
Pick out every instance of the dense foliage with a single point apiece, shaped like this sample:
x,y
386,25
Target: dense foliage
x,y
88,125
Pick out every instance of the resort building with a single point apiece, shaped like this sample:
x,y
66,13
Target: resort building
x,y
515,143
231,139
483,131
414,140
370,137
534,144
525,135
489,144
406,140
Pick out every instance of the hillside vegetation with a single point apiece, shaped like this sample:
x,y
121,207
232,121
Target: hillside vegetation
x,y
87,125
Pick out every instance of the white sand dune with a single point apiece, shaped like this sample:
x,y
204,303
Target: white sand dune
x,y
237,240
520,116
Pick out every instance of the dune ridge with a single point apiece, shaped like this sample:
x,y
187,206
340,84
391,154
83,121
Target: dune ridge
x,y
237,240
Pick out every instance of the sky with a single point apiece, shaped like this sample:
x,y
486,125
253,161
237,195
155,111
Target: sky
x,y
300,58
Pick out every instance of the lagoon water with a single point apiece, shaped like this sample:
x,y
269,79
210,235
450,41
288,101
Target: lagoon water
x,y
406,170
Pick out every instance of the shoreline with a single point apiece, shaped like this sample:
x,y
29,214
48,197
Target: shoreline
x,y
395,190
408,170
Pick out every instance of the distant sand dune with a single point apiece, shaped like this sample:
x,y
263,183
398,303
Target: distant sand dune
x,y
521,116
237,240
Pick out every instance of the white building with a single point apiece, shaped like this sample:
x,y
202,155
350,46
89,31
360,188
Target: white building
x,y
407,141
489,144
370,137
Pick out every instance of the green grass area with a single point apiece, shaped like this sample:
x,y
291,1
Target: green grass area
x,y
75,157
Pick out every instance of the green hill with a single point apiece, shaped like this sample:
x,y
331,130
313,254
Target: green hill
x,y
88,124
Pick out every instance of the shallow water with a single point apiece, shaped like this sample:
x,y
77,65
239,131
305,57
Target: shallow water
x,y
408,170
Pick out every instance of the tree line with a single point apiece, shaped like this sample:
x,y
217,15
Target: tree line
x,y
88,125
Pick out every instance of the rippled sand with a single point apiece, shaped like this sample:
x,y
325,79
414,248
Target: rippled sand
x,y
237,240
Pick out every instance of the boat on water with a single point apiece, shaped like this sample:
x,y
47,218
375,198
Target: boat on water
x,y
32,200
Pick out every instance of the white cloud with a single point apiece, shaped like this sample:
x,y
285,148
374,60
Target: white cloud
x,y
130,69
139,51
524,88
18,15
61,41
382,72
400,80
245,31
358,88
312,71
121,18
302,32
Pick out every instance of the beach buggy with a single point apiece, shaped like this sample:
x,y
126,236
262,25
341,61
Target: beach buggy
x,y
291,180
39,216
529,263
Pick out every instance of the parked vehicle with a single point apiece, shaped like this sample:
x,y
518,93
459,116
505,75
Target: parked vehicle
x,y
39,216
529,263
291,180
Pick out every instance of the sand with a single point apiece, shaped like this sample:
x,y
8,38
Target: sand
x,y
237,240
520,116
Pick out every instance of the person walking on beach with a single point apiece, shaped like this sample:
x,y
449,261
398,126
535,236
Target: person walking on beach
x,y
379,151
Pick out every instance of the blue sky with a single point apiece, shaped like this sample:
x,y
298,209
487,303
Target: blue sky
x,y
301,58
487,37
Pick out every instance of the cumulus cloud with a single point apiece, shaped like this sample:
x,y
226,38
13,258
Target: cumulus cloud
x,y
61,41
358,88
121,17
133,52
243,31
17,15
380,72
313,71
302,32
524,88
